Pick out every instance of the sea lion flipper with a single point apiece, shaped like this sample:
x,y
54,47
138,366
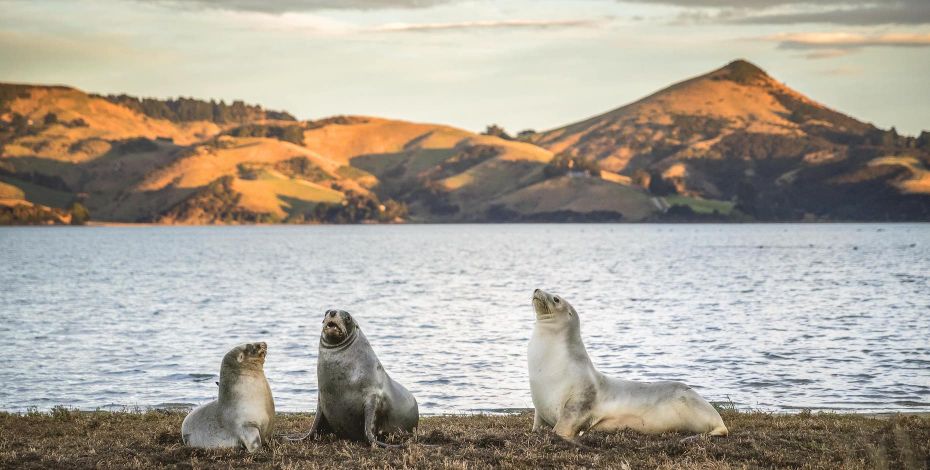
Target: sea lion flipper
x,y
538,423
250,437
320,424
372,406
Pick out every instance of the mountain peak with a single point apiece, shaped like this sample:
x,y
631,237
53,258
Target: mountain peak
x,y
742,71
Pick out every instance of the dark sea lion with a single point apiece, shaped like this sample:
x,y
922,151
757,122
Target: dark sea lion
x,y
572,397
243,415
357,399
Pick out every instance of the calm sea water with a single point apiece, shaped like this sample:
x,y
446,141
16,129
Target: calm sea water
x,y
773,317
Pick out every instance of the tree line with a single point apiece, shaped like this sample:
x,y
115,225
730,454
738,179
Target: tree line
x,y
190,109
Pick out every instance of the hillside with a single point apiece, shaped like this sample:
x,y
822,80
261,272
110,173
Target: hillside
x,y
734,144
736,134
127,164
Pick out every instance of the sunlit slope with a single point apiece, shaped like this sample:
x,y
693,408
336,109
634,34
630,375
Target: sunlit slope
x,y
694,116
83,124
61,145
251,162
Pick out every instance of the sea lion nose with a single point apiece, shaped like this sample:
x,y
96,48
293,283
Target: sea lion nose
x,y
535,291
331,313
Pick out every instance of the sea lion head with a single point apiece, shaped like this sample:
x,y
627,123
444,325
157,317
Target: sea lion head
x,y
338,328
552,309
248,356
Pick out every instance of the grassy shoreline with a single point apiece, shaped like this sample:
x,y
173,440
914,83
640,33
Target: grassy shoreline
x,y
74,439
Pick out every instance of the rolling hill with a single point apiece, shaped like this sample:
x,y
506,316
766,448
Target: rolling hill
x,y
736,134
734,144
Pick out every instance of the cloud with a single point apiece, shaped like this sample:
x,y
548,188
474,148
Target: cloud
x,y
286,6
323,26
836,44
896,13
844,12
491,24
848,40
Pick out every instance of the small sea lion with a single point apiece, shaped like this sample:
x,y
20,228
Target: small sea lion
x,y
243,415
572,397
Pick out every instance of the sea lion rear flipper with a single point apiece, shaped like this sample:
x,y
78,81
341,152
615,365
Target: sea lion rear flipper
x,y
372,406
250,437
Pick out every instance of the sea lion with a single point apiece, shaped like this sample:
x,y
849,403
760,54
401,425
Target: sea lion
x,y
243,415
357,399
572,397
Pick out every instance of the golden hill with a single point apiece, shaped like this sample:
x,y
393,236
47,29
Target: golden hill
x,y
737,134
734,144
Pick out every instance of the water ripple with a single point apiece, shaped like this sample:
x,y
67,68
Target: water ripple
x,y
775,317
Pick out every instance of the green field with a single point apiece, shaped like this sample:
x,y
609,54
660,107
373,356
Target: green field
x,y
40,194
701,206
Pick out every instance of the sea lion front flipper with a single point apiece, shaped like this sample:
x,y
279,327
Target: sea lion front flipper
x,y
538,423
320,424
372,406
571,422
250,437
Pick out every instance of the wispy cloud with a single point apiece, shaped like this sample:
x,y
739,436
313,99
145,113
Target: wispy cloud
x,y
286,6
900,13
849,40
488,24
834,44
842,12
322,25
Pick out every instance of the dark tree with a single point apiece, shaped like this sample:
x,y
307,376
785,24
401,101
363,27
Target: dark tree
x,y
497,131
79,214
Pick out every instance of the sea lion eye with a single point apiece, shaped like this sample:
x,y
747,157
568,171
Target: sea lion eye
x,y
556,299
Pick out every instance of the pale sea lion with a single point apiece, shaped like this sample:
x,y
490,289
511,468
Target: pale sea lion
x,y
243,415
357,399
572,397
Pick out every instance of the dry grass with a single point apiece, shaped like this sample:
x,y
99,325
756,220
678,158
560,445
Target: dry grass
x,y
68,439
581,195
276,194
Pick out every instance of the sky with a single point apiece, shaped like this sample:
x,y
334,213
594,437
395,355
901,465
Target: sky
x,y
523,64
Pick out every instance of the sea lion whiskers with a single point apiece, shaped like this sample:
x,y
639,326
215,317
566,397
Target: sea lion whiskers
x,y
339,330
